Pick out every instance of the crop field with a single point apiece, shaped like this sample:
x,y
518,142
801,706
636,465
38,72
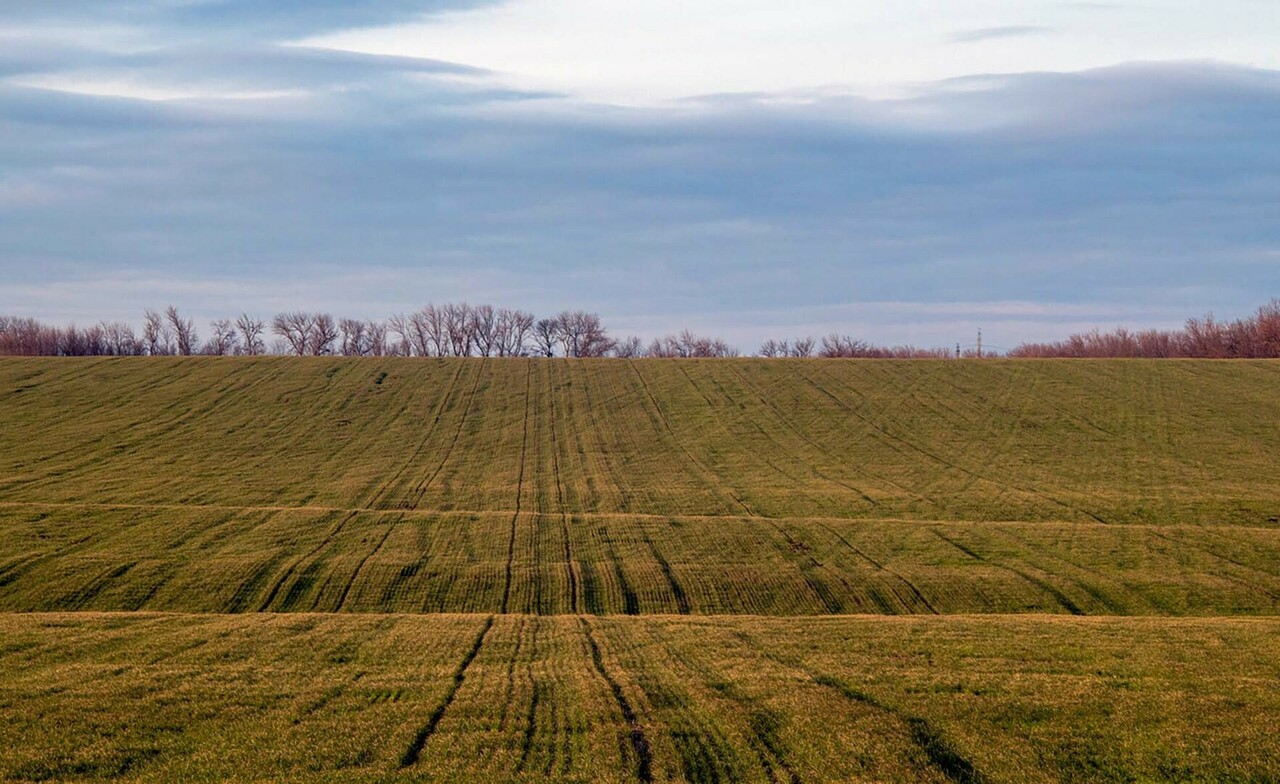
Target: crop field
x,y
325,569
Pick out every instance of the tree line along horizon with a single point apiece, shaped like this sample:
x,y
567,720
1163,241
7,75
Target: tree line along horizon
x,y
463,330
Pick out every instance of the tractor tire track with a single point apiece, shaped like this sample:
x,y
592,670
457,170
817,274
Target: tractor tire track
x,y
710,477
636,740
531,714
879,566
914,447
515,517
938,751
1062,599
355,574
560,505
413,752
328,540
677,591
380,494
779,417
421,488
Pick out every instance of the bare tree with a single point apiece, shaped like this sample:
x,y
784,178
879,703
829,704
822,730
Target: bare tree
x,y
802,347
27,337
582,335
774,348
426,332
629,348
184,331
322,335
688,344
354,341
120,340
398,326
376,338
224,340
512,331
295,329
545,336
157,337
483,325
250,335
458,329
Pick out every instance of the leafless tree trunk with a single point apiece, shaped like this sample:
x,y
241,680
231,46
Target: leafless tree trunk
x,y
771,349
224,340
295,329
457,327
545,337
582,335
376,338
120,340
511,332
483,326
630,348
353,341
322,336
398,325
250,335
184,331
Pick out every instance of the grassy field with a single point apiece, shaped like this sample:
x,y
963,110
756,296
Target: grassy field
x,y
334,569
498,698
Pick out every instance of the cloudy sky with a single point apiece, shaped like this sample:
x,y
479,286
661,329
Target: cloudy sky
x,y
902,170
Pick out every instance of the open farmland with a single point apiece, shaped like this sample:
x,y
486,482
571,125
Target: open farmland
x,y
335,569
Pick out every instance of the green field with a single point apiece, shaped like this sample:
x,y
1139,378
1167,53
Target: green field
x,y
336,569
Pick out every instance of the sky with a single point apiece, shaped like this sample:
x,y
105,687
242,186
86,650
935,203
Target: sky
x,y
905,172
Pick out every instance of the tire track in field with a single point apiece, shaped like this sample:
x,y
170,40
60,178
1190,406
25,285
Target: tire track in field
x,y
779,417
86,593
630,601
531,714
762,723
808,564
1062,598
136,432
428,513
512,661
421,488
887,435
878,565
1002,402
677,591
707,755
413,753
515,517
1214,554
1101,598
637,742
531,731
328,540
560,506
380,494
355,574
625,500
940,753
714,480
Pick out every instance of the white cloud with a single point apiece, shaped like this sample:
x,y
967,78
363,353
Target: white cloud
x,y
647,51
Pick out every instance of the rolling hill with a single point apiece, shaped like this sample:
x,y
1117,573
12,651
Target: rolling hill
x,y
648,570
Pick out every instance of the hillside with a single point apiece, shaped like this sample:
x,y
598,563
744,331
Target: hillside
x,y
635,571
744,486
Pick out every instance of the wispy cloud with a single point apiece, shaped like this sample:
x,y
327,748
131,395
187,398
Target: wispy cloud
x,y
993,33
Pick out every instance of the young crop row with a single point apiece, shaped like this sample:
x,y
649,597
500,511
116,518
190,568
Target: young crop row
x,y
211,560
525,698
1116,442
